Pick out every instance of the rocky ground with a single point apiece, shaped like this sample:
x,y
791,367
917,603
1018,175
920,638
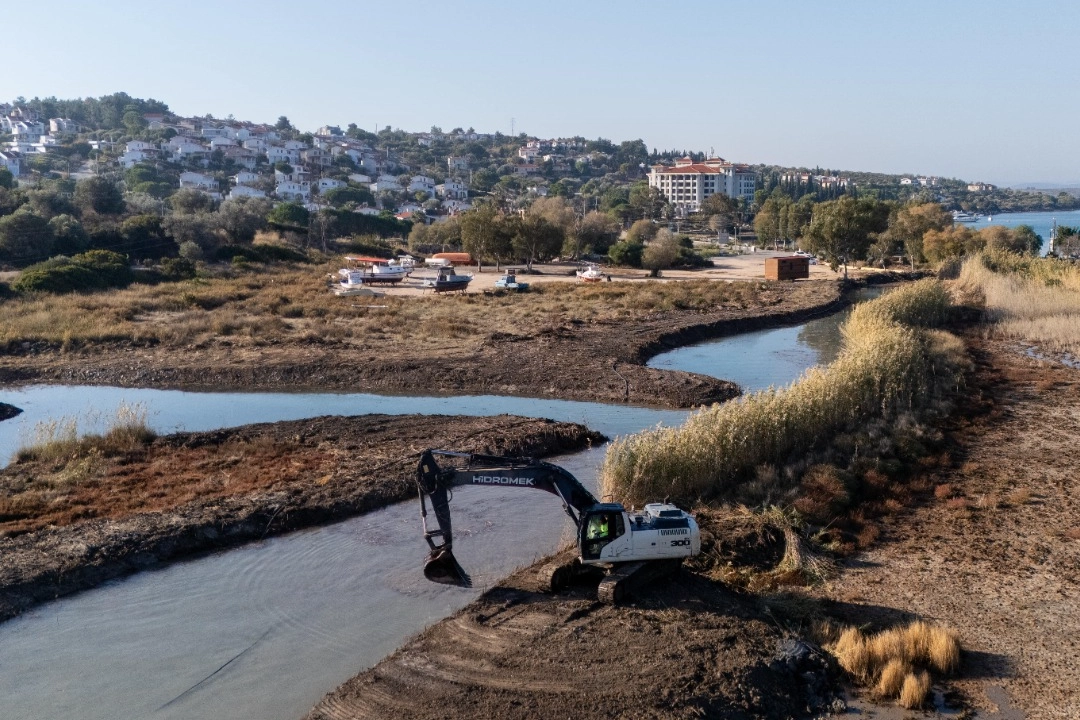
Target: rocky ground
x,y
196,492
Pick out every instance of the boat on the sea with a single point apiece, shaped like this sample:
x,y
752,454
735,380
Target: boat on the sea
x,y
447,281
590,273
961,216
373,271
510,282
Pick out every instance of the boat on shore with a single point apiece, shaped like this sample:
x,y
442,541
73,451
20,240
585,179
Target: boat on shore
x,y
373,271
510,282
447,281
590,273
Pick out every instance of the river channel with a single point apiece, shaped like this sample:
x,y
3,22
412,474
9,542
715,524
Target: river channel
x,y
264,631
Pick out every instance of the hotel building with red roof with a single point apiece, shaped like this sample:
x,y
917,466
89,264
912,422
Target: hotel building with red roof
x,y
687,183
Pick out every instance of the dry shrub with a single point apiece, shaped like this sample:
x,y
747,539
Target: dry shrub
x,y
916,688
1019,496
895,661
943,491
853,654
892,677
1073,533
822,494
957,503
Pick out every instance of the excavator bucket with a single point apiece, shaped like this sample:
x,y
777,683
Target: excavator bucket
x,y
442,567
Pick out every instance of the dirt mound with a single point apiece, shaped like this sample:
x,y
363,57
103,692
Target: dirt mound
x,y
689,648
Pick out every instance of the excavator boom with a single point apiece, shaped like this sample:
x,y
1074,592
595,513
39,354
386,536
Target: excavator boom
x,y
435,483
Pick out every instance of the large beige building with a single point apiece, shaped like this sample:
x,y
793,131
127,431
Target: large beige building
x,y
688,183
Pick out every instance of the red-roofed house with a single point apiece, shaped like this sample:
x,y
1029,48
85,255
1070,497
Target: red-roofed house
x,y
687,184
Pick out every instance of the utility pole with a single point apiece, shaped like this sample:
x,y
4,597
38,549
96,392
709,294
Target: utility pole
x,y
511,127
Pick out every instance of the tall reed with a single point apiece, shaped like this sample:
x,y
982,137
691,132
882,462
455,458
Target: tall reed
x,y
1032,299
884,368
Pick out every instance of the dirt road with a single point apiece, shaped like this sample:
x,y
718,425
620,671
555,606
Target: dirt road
x,y
995,552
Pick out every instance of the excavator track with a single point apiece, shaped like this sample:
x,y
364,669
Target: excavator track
x,y
624,580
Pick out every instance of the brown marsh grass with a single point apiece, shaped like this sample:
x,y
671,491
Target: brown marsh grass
x,y
888,366
281,304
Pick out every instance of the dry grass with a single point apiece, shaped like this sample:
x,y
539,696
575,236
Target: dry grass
x,y
1073,533
59,440
895,662
916,688
1032,299
281,304
888,366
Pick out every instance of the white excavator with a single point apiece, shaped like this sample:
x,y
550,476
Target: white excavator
x,y
625,549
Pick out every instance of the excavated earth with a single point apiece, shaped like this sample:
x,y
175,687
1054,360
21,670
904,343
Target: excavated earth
x,y
601,361
191,493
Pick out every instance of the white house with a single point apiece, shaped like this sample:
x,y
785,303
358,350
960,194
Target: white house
x,y
456,206
182,148
315,156
290,190
528,154
214,132
295,145
330,184
238,133
422,183
197,181
298,175
906,181
457,163
134,157
245,177
276,154
27,131
62,126
256,144
361,179
10,162
453,190
687,184
221,141
140,145
245,191
386,182
367,210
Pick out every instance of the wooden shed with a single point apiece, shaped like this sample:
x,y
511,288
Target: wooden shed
x,y
793,267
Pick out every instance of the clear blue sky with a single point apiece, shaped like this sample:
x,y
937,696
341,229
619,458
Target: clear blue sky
x,y
978,90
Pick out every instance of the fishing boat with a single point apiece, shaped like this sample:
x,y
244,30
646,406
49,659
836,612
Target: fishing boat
x,y
447,281
510,282
404,261
590,273
352,283
373,271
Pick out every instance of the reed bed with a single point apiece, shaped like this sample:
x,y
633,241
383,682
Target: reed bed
x,y
896,662
60,440
1036,300
885,368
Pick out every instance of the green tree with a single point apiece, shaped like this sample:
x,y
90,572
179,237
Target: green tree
x,y
293,216
908,226
7,180
240,218
197,228
144,237
134,122
536,238
283,124
99,195
626,253
1026,240
188,200
647,202
484,234
596,234
641,232
951,243
841,229
661,253
69,236
25,237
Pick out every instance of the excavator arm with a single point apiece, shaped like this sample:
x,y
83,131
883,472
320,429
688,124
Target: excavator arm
x,y
435,483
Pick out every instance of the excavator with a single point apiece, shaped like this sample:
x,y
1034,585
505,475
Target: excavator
x,y
625,549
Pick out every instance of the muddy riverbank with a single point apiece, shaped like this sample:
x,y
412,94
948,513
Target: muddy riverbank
x,y
571,359
68,525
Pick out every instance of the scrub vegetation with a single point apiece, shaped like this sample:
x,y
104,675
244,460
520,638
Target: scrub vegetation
x,y
892,368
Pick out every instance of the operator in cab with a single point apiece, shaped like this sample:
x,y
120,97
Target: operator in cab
x,y
598,527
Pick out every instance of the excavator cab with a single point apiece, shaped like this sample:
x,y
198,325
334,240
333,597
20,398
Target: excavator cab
x,y
600,526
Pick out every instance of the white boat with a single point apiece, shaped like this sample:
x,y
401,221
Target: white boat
x,y
447,281
352,283
373,271
404,261
510,282
590,273
961,216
